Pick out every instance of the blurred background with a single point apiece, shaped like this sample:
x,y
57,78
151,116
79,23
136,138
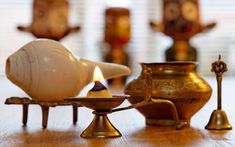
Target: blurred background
x,y
145,45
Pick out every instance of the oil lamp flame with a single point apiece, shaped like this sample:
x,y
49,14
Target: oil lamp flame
x,y
98,76
99,90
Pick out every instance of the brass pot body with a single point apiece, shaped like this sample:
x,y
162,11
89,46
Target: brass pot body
x,y
174,81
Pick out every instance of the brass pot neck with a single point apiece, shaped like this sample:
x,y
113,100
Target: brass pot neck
x,y
170,67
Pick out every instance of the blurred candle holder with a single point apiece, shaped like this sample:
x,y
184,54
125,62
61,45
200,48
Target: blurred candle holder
x,y
117,35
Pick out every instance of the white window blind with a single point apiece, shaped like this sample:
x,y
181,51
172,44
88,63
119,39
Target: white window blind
x,y
145,45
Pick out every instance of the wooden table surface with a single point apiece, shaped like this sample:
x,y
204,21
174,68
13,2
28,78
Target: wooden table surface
x,y
62,132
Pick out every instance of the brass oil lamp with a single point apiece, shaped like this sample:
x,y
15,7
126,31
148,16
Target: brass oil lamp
x,y
102,102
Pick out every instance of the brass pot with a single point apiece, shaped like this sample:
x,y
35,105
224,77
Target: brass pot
x,y
174,81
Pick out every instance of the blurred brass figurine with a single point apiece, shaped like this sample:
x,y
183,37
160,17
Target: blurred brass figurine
x,y
117,35
218,119
181,21
50,20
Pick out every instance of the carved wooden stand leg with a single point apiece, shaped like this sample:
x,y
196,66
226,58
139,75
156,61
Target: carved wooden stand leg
x,y
25,114
45,112
75,114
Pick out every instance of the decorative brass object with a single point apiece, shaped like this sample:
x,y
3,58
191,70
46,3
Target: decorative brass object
x,y
50,20
101,127
45,105
117,34
176,82
218,119
181,21
117,27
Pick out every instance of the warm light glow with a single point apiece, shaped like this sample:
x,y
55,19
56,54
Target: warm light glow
x,y
98,76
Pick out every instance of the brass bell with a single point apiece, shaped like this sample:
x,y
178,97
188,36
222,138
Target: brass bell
x,y
219,119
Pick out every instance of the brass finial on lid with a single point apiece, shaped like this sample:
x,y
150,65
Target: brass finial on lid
x,y
218,119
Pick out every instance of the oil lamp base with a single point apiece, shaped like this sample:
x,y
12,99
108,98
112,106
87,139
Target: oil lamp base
x,y
100,127
218,121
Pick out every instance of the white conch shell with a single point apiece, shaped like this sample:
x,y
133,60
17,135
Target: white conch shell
x,y
47,71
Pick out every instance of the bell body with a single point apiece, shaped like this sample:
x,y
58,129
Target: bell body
x,y
47,71
218,121
174,81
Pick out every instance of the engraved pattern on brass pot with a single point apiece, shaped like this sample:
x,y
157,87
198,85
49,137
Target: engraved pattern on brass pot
x,y
174,81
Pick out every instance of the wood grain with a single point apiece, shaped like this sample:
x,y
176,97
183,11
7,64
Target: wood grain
x,y
61,131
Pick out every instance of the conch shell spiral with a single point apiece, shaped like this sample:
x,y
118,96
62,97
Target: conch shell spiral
x,y
47,71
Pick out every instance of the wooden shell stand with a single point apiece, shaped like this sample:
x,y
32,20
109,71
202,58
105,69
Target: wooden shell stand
x,y
45,105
